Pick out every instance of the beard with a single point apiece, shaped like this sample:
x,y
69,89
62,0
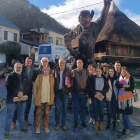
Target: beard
x,y
18,71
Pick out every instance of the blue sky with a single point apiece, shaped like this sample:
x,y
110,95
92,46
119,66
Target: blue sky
x,y
130,7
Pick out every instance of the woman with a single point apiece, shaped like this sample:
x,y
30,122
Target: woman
x,y
91,70
125,83
98,89
111,97
43,96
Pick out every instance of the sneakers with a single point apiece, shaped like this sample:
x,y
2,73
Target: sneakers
x,y
6,135
47,130
37,130
64,127
27,123
13,126
84,125
90,121
127,132
57,127
24,130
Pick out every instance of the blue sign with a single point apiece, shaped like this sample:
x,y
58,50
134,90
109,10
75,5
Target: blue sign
x,y
45,50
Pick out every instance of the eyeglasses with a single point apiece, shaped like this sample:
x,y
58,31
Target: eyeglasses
x,y
44,61
19,67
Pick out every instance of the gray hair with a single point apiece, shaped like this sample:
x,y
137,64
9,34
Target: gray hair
x,y
44,68
44,58
15,65
62,59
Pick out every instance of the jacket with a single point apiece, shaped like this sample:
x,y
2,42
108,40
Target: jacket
x,y
13,86
128,110
111,89
30,78
37,89
80,81
92,86
56,75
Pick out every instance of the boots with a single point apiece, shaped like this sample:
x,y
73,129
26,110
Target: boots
x,y
101,126
114,126
96,125
75,124
108,125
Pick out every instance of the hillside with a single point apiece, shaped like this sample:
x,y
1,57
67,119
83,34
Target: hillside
x,y
27,16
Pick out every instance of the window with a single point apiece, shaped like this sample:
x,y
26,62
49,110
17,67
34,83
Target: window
x,y
49,39
57,42
15,37
5,35
10,36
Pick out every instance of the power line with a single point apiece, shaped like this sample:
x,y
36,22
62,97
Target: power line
x,y
61,12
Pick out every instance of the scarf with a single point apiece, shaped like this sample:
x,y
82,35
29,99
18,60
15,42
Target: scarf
x,y
124,97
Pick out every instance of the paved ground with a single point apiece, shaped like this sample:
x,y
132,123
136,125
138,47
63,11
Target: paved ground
x,y
72,133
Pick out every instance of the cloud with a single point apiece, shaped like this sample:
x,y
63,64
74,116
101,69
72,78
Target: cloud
x,y
134,17
70,19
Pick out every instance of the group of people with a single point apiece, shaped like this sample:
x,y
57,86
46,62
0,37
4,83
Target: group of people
x,y
54,86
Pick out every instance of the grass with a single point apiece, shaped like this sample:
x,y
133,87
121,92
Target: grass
x,y
137,84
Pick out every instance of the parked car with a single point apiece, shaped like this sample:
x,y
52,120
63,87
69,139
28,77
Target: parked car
x,y
3,68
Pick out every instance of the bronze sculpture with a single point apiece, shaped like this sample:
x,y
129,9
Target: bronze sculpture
x,y
81,41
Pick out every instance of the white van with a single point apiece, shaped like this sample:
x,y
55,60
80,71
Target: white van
x,y
52,52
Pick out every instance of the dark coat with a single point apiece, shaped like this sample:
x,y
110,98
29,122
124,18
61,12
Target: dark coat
x,y
128,110
13,86
56,75
30,78
92,92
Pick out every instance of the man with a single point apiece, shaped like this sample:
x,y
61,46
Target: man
x,y
63,79
15,84
117,67
39,70
27,72
80,78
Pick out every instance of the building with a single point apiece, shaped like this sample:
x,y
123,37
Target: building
x,y
119,39
8,32
45,36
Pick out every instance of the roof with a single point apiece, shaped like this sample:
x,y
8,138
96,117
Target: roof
x,y
119,28
5,22
30,42
53,30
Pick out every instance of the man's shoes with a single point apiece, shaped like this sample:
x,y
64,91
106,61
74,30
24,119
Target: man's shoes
x,y
64,127
57,127
96,125
24,130
47,130
84,125
108,125
13,126
122,131
101,126
6,135
37,130
114,126
127,132
75,124
27,123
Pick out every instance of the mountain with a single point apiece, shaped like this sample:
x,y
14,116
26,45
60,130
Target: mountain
x,y
28,16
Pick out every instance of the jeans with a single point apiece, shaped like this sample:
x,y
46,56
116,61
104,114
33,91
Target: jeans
x,y
79,99
126,121
11,107
27,109
99,107
61,98
91,111
111,108
28,106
